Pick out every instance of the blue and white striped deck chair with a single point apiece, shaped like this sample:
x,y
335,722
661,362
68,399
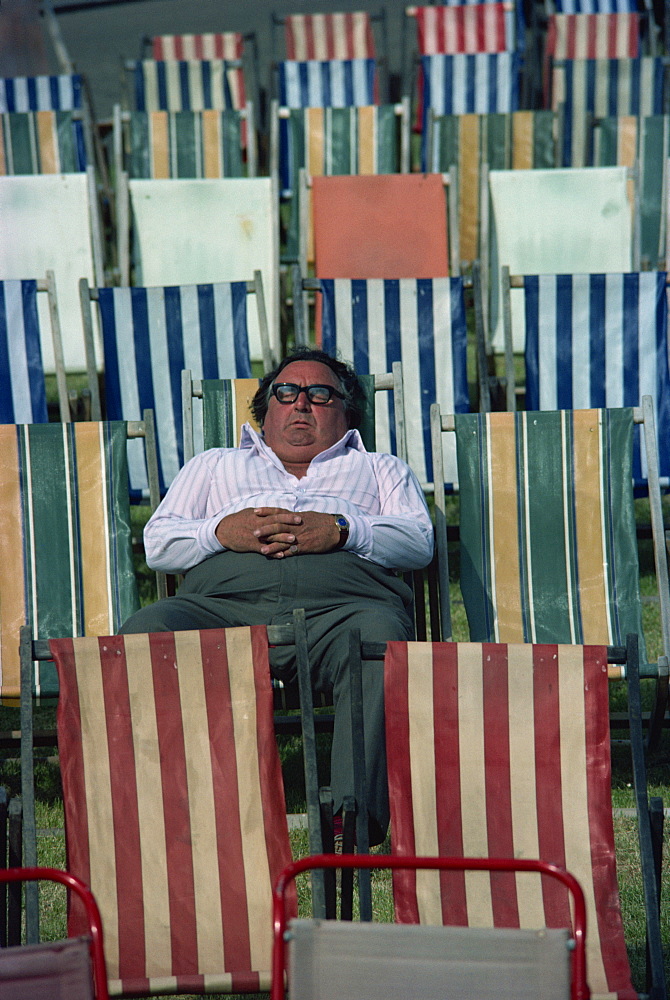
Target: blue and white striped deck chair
x,y
327,83
583,88
150,335
61,92
419,322
600,340
181,84
468,84
22,386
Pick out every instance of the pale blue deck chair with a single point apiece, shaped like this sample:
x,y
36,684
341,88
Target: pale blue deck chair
x,y
418,322
22,386
327,83
150,334
596,341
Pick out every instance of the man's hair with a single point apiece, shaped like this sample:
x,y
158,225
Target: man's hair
x,y
354,397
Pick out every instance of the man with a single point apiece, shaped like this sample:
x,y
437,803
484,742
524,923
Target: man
x,y
299,516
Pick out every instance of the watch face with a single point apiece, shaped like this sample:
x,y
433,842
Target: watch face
x,y
341,522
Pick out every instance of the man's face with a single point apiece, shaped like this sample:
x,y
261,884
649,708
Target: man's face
x,y
299,431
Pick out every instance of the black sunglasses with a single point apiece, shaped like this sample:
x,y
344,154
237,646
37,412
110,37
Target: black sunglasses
x,y
319,395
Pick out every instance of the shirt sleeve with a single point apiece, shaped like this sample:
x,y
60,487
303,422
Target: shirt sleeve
x,y
401,535
180,534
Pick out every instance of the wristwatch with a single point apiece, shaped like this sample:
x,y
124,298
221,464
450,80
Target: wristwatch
x,y
343,528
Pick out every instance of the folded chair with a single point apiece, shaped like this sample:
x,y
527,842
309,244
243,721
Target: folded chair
x,y
335,958
22,386
587,227
67,564
520,140
174,803
583,87
41,142
388,226
367,140
151,334
201,231
547,532
419,323
70,246
504,750
597,340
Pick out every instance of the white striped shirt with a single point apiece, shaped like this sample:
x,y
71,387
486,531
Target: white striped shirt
x,y
378,493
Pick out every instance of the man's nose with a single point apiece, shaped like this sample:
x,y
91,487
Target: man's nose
x,y
302,402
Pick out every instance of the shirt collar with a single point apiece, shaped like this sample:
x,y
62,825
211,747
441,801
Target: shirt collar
x,y
252,440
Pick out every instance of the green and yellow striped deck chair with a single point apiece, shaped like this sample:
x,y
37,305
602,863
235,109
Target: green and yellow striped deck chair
x,y
66,564
519,140
547,527
42,142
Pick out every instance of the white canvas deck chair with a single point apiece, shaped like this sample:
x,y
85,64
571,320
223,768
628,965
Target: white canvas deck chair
x,y
150,334
598,340
204,231
63,209
587,227
597,87
22,386
418,322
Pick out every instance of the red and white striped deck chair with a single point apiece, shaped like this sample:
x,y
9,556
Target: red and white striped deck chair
x,y
174,804
590,36
228,45
504,750
329,36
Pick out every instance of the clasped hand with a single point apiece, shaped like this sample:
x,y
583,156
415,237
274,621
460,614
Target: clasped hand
x,y
278,533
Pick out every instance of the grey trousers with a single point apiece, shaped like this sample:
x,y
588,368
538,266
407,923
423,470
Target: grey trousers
x,y
339,591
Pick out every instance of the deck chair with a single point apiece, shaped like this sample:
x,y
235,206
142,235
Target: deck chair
x,y
520,140
366,140
180,84
70,246
348,35
468,84
548,544
419,323
74,967
41,142
475,769
183,144
640,143
22,386
60,92
597,340
587,227
198,816
67,565
590,36
583,87
388,226
151,334
203,231
383,960
327,83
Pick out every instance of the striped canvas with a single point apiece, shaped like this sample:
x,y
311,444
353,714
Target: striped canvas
x,y
596,6
549,549
520,140
333,83
226,405
174,804
504,751
41,93
476,27
228,45
149,336
329,36
22,389
601,87
66,549
185,144
418,322
593,36
182,85
41,142
365,140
